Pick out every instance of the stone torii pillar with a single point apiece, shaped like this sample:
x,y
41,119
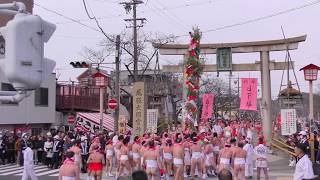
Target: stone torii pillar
x,y
264,65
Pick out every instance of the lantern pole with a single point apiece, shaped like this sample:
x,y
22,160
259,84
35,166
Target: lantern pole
x,y
311,120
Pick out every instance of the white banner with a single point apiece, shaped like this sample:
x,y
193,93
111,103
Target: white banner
x,y
288,121
152,120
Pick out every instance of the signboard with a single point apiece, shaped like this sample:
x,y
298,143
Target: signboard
x,y
249,93
139,106
288,121
112,103
152,120
224,59
71,119
122,124
207,106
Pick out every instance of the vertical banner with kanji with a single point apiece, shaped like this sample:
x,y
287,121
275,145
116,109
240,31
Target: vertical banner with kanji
x,y
152,120
207,106
249,91
139,107
288,121
122,124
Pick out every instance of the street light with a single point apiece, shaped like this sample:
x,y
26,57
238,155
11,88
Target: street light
x,y
311,74
101,81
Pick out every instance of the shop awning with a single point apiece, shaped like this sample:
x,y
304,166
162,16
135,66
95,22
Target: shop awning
x,y
91,121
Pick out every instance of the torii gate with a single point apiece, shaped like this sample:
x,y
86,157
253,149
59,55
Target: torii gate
x,y
264,65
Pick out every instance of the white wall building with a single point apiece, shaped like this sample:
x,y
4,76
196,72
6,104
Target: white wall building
x,y
34,114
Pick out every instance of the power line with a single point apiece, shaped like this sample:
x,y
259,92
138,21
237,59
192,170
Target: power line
x,y
163,17
66,17
179,20
261,18
152,10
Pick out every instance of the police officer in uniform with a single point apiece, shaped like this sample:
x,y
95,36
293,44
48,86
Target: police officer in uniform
x,y
84,153
57,150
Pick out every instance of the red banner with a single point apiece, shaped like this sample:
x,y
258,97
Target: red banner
x,y
207,106
249,90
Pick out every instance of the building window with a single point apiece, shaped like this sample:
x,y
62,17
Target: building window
x,y
36,131
41,97
8,87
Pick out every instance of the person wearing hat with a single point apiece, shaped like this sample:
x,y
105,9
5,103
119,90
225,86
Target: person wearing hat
x,y
304,169
303,139
84,152
28,166
57,150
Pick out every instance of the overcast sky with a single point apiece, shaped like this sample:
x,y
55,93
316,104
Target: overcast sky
x,y
177,17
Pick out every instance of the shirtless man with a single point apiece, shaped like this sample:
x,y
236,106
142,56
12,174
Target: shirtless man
x,y
77,152
216,143
208,158
69,170
95,163
224,158
167,157
144,148
136,154
96,142
187,156
239,160
109,157
152,161
124,157
178,156
117,147
196,157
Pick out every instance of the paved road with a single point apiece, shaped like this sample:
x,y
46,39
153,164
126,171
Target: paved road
x,y
12,172
279,170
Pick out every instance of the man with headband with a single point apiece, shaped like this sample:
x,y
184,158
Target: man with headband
x,y
152,160
69,169
178,156
224,158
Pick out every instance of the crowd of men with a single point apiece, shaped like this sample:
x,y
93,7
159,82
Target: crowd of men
x,y
224,149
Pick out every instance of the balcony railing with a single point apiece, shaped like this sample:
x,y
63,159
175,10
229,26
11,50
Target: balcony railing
x,y
78,98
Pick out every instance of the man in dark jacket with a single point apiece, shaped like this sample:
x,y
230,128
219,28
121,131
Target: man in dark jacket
x,y
3,150
11,152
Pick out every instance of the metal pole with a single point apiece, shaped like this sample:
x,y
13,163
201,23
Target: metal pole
x,y
101,109
311,102
117,85
266,96
311,121
135,42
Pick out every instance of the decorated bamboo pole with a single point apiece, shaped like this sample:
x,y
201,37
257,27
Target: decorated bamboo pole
x,y
193,71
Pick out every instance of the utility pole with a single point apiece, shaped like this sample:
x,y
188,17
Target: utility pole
x,y
134,20
117,85
230,96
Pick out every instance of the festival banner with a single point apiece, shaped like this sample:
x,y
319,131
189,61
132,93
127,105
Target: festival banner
x,y
288,122
152,120
249,94
207,106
